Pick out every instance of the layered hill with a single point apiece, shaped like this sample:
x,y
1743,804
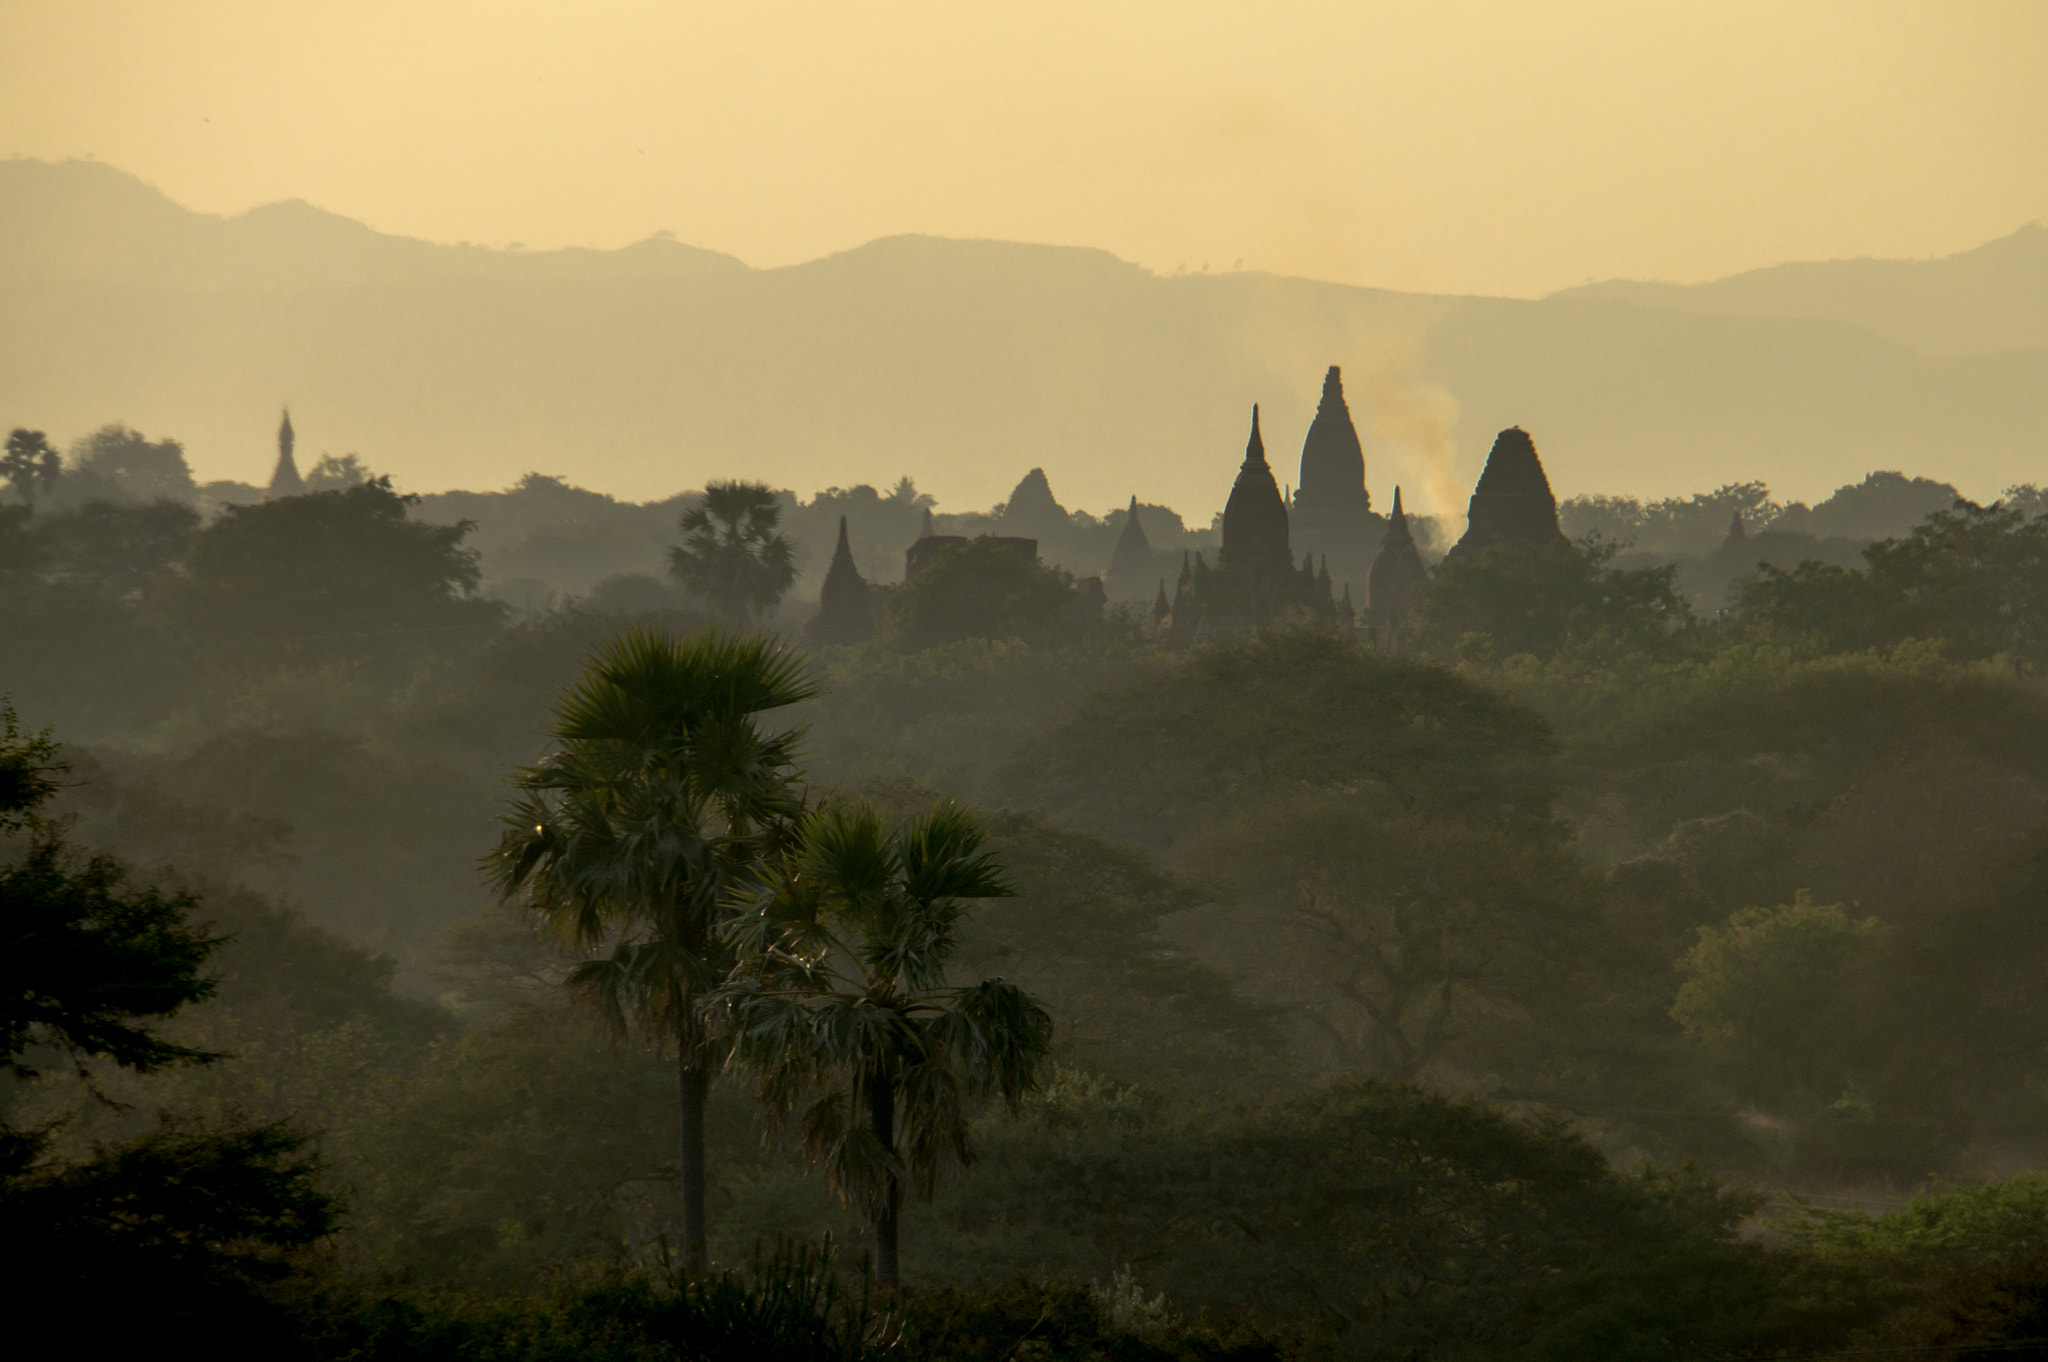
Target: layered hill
x,y
648,369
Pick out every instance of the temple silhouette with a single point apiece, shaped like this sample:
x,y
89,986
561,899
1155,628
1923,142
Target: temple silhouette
x,y
1320,556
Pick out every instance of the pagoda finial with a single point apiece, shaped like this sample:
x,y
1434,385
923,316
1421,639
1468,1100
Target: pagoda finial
x,y
284,479
1255,447
927,530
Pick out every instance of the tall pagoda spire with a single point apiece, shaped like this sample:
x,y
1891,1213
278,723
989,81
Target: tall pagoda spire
x,y
1332,461
1255,519
284,479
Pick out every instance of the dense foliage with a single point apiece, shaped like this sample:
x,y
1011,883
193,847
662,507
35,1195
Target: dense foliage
x,y
1446,1003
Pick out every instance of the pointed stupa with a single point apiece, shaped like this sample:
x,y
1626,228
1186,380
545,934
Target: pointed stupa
x,y
928,529
284,479
1397,576
1513,500
1130,567
1181,631
1255,519
1161,607
843,614
1331,513
1332,461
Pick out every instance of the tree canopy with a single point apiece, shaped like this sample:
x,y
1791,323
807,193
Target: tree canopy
x,y
330,571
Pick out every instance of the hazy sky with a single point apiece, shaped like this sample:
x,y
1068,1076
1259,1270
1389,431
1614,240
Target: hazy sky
x,y
1506,147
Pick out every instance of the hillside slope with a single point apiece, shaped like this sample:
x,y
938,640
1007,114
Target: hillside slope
x,y
963,363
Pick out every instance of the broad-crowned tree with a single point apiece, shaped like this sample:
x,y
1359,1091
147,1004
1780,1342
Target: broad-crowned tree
x,y
330,572
190,1222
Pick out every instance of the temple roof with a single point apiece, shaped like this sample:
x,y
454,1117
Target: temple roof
x,y
1513,499
1255,518
843,612
284,479
1397,569
1332,462
1133,556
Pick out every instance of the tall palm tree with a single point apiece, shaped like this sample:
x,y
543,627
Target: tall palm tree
x,y
840,998
732,553
661,799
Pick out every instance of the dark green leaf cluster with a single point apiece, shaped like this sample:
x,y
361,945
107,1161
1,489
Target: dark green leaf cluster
x,y
1974,578
1543,599
87,964
330,567
984,589
1282,714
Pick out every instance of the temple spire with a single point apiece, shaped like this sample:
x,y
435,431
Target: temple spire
x,y
928,529
1394,587
844,613
1131,563
1255,540
284,479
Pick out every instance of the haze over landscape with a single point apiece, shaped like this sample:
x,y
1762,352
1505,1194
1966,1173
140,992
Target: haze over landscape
x,y
1452,178
1172,682
649,368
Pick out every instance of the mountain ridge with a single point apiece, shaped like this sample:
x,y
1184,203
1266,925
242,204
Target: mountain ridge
x,y
648,369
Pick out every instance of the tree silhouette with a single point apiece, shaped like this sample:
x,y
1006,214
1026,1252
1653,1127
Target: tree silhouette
x,y
656,806
841,996
30,463
732,553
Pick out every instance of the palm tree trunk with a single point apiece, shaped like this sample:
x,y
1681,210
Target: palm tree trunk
x,y
882,1121
694,1081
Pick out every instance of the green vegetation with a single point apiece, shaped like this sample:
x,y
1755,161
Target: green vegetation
x,y
731,554
1273,998
631,839
840,997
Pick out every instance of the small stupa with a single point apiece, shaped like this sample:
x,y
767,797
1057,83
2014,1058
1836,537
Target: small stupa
x,y
284,479
1397,578
845,613
1130,566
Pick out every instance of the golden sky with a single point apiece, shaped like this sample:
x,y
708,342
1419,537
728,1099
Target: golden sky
x,y
1503,147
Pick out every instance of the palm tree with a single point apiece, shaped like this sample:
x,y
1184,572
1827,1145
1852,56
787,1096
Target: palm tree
x,y
660,800
841,997
732,554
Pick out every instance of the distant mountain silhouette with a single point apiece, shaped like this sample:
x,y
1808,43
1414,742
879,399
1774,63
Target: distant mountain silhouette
x,y
646,370
85,222
1978,302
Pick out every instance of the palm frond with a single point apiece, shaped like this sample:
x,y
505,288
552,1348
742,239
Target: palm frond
x,y
998,1035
